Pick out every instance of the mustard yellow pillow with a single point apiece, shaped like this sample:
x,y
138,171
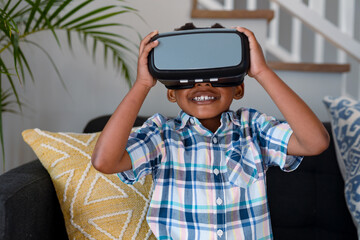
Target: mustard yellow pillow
x,y
94,205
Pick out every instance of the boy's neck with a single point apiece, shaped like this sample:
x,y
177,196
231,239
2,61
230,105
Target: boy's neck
x,y
211,124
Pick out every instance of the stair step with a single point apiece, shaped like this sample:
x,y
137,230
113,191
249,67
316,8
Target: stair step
x,y
310,67
231,14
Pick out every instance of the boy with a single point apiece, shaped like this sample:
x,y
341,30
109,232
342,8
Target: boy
x,y
209,163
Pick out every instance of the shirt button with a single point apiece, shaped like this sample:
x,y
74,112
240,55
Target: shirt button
x,y
215,140
216,171
192,121
219,201
219,232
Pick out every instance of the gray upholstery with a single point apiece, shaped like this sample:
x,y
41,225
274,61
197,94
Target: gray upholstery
x,y
29,208
309,203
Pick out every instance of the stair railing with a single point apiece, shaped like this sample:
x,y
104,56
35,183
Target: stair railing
x,y
312,15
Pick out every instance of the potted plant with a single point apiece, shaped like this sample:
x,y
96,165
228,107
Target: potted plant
x,y
21,18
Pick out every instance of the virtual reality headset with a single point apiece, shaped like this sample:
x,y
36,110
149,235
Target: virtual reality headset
x,y
184,58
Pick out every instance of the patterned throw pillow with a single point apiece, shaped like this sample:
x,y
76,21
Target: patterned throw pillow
x,y
94,205
345,122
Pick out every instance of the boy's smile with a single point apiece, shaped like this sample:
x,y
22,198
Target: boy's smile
x,y
205,102
204,97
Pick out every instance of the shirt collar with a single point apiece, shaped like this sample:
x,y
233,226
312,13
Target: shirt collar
x,y
231,116
184,119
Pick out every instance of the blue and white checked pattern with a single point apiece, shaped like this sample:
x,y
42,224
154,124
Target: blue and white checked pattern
x,y
209,185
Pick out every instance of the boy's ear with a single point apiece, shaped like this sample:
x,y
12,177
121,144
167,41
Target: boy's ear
x,y
171,95
239,91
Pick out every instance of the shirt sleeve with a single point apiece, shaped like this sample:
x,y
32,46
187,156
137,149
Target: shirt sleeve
x,y
144,146
273,137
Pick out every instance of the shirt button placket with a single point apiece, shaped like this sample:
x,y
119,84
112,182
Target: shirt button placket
x,y
192,121
220,233
219,192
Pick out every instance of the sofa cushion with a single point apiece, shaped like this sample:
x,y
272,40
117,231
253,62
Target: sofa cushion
x,y
28,205
94,205
97,124
309,203
345,121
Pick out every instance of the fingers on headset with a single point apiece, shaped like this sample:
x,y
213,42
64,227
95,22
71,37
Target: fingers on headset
x,y
246,31
146,40
148,47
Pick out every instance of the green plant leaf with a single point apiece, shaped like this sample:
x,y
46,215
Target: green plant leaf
x,y
106,48
97,19
94,49
15,45
103,26
5,95
58,11
21,18
7,26
106,35
6,5
34,9
22,58
72,12
21,68
68,35
14,7
113,42
44,13
51,61
5,70
87,15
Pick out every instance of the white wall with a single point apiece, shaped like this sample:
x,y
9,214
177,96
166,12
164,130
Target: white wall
x,y
94,90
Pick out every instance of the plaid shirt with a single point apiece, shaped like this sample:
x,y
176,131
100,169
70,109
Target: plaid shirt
x,y
209,185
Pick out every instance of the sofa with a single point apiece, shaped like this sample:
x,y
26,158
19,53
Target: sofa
x,y
308,203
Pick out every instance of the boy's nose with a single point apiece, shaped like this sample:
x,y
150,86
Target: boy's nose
x,y
203,84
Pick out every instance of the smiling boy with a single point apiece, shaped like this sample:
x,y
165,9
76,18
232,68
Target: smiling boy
x,y
209,163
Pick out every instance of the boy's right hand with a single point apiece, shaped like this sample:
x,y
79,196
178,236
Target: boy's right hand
x,y
110,155
143,75
257,60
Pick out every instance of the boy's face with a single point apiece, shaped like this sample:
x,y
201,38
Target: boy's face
x,y
204,101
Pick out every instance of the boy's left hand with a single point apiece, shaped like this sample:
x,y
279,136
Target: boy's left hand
x,y
257,59
309,135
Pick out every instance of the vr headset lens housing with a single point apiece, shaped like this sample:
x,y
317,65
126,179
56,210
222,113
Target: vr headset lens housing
x,y
183,58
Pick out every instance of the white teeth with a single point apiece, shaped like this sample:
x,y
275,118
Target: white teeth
x,y
203,98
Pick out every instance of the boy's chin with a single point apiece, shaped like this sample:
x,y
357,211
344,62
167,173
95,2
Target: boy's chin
x,y
206,115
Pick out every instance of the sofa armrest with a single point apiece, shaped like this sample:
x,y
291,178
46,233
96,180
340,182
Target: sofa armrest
x,y
29,208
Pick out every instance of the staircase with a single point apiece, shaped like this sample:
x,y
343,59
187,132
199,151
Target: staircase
x,y
307,40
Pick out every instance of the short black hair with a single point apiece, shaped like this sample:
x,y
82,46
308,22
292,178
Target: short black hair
x,y
190,25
